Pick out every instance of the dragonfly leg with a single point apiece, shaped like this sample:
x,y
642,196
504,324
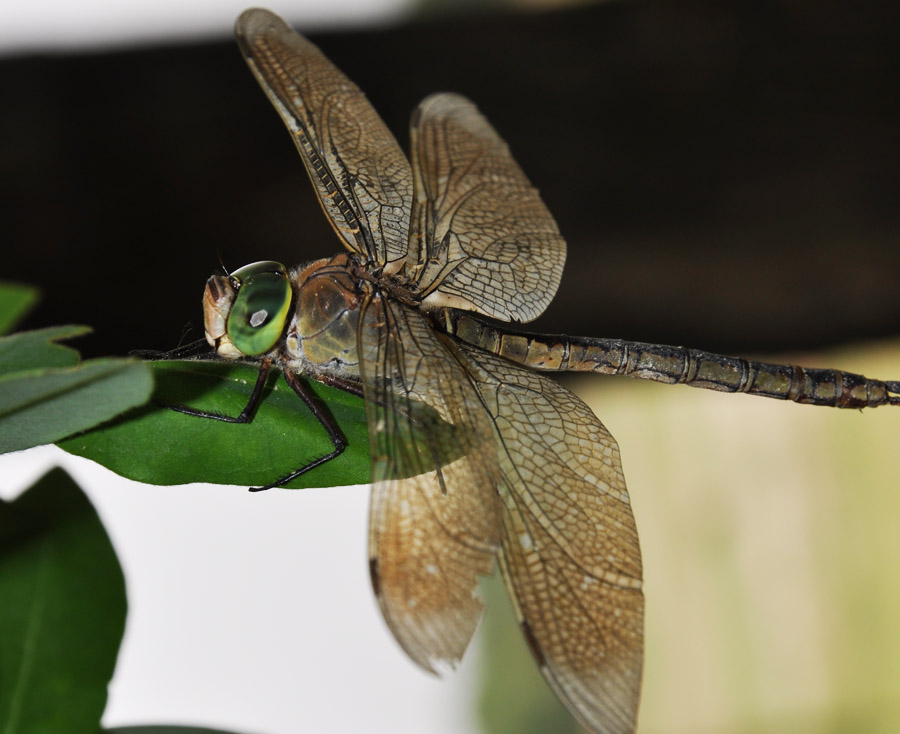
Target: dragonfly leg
x,y
246,415
321,414
354,388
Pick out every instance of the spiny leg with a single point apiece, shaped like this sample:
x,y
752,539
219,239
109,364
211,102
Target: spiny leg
x,y
327,421
321,414
246,415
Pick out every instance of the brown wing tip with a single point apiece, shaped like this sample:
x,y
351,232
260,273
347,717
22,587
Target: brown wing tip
x,y
446,101
533,645
375,576
254,21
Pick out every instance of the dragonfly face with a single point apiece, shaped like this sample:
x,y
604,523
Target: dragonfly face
x,y
244,314
247,313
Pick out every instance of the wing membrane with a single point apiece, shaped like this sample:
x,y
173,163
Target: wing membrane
x,y
433,529
569,548
485,240
360,174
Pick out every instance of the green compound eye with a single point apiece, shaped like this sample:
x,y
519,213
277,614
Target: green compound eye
x,y
260,308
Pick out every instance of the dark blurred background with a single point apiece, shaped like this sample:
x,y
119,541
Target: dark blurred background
x,y
726,174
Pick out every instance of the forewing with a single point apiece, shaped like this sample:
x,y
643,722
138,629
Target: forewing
x,y
362,178
481,236
434,519
569,547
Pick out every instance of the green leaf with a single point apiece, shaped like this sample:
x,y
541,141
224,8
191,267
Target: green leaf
x,y
62,613
44,405
15,301
157,445
29,350
45,393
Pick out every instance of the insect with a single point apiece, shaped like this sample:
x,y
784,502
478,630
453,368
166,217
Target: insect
x,y
477,458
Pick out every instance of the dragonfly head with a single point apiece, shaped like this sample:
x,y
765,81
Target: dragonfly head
x,y
245,313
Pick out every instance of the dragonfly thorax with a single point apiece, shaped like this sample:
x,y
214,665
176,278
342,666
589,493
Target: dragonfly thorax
x,y
322,334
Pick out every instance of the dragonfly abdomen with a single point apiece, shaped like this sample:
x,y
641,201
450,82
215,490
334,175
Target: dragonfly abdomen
x,y
678,365
813,386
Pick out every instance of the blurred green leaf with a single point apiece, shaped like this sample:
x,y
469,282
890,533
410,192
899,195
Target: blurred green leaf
x,y
157,445
29,350
15,301
62,613
45,404
46,393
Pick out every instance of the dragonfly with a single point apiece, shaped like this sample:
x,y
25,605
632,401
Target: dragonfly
x,y
478,458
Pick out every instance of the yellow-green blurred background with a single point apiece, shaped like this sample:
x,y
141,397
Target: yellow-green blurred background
x,y
771,562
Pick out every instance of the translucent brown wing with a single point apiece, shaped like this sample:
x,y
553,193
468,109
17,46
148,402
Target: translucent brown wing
x,y
360,174
433,529
569,548
481,236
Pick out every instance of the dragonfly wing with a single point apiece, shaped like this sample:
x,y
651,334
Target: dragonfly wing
x,y
434,519
361,176
569,547
481,237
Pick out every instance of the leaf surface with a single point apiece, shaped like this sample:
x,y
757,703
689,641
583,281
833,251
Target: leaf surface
x,y
157,445
62,613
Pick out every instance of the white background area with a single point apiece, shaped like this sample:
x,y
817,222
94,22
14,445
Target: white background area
x,y
62,25
253,612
